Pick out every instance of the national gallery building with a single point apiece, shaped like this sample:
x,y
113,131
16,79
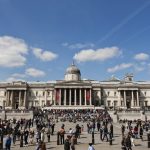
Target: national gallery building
x,y
75,93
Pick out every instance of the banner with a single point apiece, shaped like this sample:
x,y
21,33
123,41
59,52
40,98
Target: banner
x,y
88,95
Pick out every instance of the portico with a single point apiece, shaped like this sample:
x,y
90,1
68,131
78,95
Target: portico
x,y
15,98
129,97
74,96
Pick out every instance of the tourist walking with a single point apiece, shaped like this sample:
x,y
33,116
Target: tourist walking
x,y
67,143
8,142
105,133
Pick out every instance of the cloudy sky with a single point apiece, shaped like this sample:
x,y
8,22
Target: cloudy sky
x,y
40,39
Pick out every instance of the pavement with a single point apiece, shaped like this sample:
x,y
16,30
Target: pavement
x,y
87,138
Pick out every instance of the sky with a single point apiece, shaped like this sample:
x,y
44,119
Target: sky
x,y
39,39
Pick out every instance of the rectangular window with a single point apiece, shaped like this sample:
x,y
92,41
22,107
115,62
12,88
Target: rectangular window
x,y
114,93
115,103
43,93
108,93
145,103
36,93
108,102
122,103
145,93
29,93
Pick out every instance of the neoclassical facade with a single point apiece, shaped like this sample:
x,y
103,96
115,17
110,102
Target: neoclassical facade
x,y
75,93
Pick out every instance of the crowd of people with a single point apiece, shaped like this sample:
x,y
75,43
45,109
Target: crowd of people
x,y
132,130
38,130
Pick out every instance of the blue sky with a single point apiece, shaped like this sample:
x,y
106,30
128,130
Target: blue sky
x,y
39,39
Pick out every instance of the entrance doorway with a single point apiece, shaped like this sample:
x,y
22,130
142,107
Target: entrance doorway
x,y
128,104
16,105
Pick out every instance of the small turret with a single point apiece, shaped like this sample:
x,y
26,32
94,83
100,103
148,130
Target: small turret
x,y
128,77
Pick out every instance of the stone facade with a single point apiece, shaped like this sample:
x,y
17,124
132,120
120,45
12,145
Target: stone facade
x,y
72,92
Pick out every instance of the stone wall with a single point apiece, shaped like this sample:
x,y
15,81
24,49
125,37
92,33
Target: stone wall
x,y
16,114
129,115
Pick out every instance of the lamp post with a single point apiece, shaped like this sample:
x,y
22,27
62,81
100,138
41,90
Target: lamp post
x,y
1,139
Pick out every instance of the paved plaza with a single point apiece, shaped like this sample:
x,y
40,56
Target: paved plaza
x,y
87,138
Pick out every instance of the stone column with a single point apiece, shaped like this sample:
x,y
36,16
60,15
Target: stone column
x,y
8,98
119,104
90,97
80,97
70,97
54,97
59,97
20,98
64,97
45,97
125,98
132,99
11,98
138,102
84,96
75,97
25,98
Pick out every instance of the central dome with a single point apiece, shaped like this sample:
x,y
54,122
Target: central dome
x,y
72,73
73,70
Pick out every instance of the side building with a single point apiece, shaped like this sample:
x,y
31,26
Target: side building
x,y
75,93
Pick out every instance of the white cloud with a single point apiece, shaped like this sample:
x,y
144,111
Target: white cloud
x,y
99,54
141,56
34,72
11,79
119,67
44,55
78,45
12,51
139,68
18,75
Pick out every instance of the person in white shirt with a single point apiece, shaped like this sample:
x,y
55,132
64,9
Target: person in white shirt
x,y
91,147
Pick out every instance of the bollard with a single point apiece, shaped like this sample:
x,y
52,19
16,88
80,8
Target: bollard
x,y
57,138
148,139
110,139
93,141
21,140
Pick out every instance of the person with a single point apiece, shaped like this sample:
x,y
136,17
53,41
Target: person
x,y
141,133
62,133
48,134
26,134
8,142
67,143
72,142
128,143
123,143
105,133
122,130
91,147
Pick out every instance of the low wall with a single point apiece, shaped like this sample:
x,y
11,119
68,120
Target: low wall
x,y
129,115
16,114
